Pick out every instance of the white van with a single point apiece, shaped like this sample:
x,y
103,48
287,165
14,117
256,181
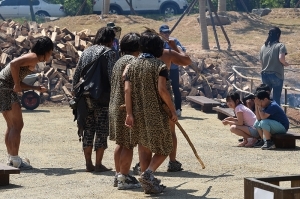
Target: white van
x,y
166,7
21,8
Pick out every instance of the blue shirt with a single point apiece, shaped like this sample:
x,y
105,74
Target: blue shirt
x,y
277,114
166,46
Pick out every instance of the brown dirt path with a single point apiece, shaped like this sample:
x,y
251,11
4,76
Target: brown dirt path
x,y
49,140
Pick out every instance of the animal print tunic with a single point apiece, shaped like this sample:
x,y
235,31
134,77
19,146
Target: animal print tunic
x,y
117,130
7,95
151,123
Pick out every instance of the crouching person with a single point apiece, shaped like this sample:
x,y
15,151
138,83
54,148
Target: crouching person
x,y
271,119
242,125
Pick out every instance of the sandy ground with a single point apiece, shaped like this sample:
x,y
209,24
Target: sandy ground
x,y
49,140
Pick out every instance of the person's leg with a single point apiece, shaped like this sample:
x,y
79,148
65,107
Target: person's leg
x,y
277,88
145,156
87,141
241,131
174,76
101,129
15,124
172,155
125,160
266,80
117,155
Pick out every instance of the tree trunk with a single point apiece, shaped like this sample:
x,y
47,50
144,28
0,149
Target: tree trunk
x,y
203,24
106,5
31,11
222,6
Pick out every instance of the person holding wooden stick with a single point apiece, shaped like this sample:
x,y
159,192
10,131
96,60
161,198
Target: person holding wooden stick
x,y
176,56
130,49
145,92
10,84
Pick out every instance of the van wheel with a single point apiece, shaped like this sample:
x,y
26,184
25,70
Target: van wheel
x,y
42,14
30,100
115,10
169,9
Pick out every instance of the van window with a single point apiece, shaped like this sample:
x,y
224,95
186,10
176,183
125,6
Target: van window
x,y
27,2
9,3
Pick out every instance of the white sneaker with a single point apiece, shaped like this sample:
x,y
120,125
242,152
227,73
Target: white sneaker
x,y
178,113
127,182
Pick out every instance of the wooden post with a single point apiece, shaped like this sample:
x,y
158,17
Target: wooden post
x,y
297,4
285,99
132,11
213,25
180,18
81,7
221,26
244,5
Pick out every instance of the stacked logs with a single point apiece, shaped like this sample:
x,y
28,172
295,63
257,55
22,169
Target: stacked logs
x,y
206,79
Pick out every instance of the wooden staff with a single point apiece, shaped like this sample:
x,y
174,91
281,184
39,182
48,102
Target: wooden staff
x,y
166,108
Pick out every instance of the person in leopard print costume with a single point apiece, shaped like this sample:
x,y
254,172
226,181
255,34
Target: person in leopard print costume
x,y
92,109
130,49
10,84
145,92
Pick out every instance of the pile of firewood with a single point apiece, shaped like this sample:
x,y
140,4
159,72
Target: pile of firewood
x,y
56,75
16,39
207,79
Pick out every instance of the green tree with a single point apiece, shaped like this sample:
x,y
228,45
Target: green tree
x,y
72,6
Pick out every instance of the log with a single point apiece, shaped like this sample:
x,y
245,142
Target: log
x,y
57,64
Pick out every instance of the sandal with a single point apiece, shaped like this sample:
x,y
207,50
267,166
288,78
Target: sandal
x,y
102,168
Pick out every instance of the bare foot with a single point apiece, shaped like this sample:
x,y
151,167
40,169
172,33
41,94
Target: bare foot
x,y
102,168
89,168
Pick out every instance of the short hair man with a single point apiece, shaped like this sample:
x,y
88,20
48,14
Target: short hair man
x,y
174,70
271,119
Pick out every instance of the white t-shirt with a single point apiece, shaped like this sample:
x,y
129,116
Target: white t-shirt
x,y
248,115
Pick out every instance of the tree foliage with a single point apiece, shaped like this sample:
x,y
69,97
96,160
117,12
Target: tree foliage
x,y
72,6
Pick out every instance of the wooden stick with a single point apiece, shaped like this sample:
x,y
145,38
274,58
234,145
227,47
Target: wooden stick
x,y
123,107
166,108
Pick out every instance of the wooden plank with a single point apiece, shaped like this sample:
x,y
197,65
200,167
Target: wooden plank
x,y
4,169
223,112
202,100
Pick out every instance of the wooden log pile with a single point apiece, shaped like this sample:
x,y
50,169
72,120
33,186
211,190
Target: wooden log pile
x,y
202,78
56,75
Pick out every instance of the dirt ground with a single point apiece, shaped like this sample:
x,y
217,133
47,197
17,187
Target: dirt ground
x,y
50,141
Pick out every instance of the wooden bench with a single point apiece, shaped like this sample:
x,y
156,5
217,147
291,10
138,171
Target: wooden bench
x,y
205,103
223,112
4,173
286,141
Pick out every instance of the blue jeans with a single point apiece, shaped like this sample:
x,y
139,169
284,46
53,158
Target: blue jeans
x,y
271,126
275,84
174,76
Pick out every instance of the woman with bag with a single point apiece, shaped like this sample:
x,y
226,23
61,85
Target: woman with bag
x,y
94,68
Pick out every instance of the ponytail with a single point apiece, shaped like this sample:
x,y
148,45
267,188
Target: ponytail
x,y
274,35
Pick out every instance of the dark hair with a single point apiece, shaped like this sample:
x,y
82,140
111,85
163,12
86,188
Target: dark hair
x,y
261,94
42,46
130,43
104,35
274,35
234,96
263,87
151,43
247,97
